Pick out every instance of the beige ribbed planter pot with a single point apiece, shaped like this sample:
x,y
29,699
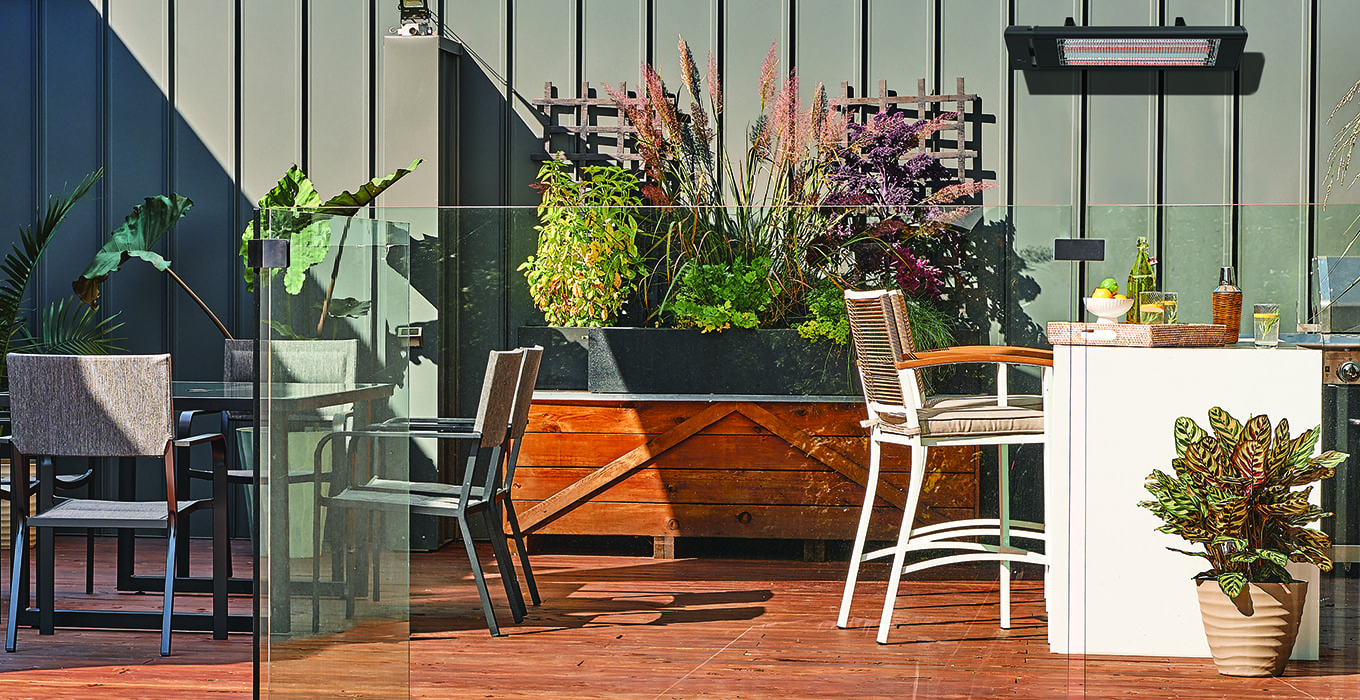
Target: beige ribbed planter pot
x,y
1252,634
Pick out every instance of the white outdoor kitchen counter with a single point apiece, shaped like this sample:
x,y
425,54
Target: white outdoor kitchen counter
x,y
1113,587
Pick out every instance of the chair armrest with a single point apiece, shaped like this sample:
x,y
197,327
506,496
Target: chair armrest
x,y
199,439
979,354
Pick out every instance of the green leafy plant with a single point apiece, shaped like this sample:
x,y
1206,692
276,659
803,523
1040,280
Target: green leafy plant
x,y
717,297
68,327
294,211
826,305
587,262
19,264
1234,492
148,223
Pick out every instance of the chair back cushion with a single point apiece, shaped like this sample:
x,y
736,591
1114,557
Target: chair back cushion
x,y
91,405
307,361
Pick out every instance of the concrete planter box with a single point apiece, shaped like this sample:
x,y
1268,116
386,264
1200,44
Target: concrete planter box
x,y
767,362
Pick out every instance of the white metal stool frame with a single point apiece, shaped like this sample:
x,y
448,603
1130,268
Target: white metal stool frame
x,y
889,375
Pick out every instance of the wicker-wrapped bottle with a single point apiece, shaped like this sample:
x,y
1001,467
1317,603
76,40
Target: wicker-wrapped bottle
x,y
1141,278
1227,304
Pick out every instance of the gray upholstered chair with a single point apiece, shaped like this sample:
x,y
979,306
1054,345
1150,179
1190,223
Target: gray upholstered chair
x,y
901,413
478,495
303,361
101,406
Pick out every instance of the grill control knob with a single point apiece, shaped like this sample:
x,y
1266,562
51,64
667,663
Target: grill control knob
x,y
1349,371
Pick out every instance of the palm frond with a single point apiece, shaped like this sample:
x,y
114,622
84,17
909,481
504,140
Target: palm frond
x,y
67,327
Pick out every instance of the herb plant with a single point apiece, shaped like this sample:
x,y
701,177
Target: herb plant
x,y
716,297
1233,491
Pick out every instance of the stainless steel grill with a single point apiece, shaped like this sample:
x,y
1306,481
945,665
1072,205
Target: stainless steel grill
x,y
1335,289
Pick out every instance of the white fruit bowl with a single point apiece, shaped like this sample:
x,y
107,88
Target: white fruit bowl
x,y
1107,310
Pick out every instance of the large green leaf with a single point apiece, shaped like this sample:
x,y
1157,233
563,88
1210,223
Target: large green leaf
x,y
349,203
1232,583
309,233
141,230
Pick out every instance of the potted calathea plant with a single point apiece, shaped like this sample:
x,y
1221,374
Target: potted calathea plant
x,y
1236,491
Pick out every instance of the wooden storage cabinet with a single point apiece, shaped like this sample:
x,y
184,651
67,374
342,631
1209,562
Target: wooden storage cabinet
x,y
721,467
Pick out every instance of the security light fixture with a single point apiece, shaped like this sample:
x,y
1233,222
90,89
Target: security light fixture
x,y
415,18
1070,47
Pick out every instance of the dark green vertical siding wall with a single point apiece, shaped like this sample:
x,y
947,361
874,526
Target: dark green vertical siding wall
x,y
215,99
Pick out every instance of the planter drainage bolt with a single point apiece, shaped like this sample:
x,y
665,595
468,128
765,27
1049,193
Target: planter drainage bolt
x,y
743,517
672,524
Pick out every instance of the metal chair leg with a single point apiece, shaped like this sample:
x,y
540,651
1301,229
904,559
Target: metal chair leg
x,y
168,610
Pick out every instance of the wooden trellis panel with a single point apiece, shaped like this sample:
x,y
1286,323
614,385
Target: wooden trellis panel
x,y
925,105
590,140
587,135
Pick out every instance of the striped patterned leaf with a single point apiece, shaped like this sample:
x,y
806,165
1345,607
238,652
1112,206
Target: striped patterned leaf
x,y
1277,558
1229,515
1232,583
1249,460
1302,448
1186,433
1227,428
1199,458
1308,474
1277,460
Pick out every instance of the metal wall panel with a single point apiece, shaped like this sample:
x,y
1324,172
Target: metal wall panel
x,y
137,47
70,96
900,46
204,154
271,93
696,21
339,131
1043,169
749,29
18,112
1338,55
1121,148
1273,156
1197,166
828,45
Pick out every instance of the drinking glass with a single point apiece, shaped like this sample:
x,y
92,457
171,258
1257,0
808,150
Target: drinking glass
x,y
1168,307
1266,325
1151,308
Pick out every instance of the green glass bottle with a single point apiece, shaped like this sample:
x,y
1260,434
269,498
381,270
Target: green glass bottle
x,y
1141,278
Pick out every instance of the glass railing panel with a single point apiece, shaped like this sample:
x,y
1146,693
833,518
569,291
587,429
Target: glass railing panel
x,y
334,578
1121,598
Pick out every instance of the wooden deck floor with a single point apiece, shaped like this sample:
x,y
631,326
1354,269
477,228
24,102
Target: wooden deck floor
x,y
629,627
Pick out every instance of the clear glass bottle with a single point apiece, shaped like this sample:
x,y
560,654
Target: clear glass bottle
x,y
1227,304
1141,278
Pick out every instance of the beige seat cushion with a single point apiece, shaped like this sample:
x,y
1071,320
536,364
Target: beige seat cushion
x,y
976,415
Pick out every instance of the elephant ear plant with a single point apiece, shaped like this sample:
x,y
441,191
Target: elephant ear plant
x,y
1234,492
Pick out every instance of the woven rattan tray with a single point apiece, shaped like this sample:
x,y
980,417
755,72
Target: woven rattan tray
x,y
1137,335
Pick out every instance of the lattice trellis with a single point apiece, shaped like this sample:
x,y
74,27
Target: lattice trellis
x,y
600,133
587,138
925,106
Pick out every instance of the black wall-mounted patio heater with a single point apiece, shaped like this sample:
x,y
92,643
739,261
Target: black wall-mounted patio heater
x,y
1176,47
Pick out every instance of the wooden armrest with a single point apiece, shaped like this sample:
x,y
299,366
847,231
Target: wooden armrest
x,y
979,353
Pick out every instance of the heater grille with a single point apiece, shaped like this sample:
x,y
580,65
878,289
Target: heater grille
x,y
1138,52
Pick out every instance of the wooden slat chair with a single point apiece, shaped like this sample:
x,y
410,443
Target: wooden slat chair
x,y
477,494
900,413
103,406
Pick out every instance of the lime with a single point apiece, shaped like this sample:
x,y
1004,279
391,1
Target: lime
x,y
1111,284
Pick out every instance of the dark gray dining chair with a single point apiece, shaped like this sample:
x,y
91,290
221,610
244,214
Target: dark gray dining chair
x,y
102,406
476,498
